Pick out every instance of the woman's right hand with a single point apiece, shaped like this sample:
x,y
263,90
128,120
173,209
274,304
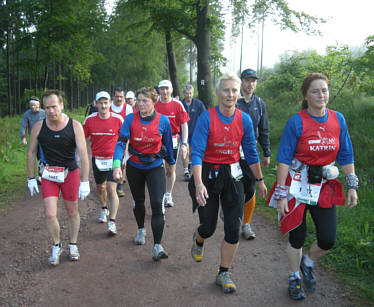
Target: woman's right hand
x,y
117,173
282,206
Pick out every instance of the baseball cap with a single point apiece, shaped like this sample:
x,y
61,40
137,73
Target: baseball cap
x,y
248,73
130,94
165,83
102,94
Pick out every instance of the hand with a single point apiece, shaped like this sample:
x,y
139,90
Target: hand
x,y
262,189
33,186
352,198
184,151
117,174
84,190
265,162
201,194
282,206
24,141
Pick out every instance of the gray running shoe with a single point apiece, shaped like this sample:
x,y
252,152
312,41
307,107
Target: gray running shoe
x,y
103,218
223,279
159,253
55,256
309,277
140,236
295,291
112,229
197,252
247,232
73,252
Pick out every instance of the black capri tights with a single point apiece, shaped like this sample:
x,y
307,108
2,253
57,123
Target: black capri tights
x,y
325,221
233,213
156,185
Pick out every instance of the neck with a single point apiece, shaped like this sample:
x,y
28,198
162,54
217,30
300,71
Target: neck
x,y
227,111
317,112
247,96
167,100
104,115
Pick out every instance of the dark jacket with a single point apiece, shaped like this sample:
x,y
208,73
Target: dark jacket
x,y
257,111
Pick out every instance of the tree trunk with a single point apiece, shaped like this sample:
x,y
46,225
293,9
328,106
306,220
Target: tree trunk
x,y
204,81
78,94
71,102
8,71
59,77
36,71
19,86
45,85
14,84
172,64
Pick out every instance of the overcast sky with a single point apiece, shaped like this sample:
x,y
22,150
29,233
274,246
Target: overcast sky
x,y
349,22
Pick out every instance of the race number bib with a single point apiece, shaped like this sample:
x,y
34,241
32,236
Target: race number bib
x,y
55,173
236,171
302,190
175,141
104,163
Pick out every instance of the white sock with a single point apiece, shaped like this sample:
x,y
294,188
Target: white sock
x,y
186,170
167,194
308,261
295,275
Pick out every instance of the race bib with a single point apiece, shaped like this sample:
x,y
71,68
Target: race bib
x,y
302,190
104,163
175,141
55,173
236,171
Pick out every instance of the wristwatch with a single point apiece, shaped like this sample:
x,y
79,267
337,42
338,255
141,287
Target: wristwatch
x,y
185,144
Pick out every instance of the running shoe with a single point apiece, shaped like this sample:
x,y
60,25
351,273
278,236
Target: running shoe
x,y
295,291
169,201
159,253
247,232
120,191
197,252
140,236
309,277
103,218
73,252
55,256
112,229
187,176
223,279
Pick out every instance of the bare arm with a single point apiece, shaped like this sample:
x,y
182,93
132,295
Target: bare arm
x,y
282,173
201,192
351,194
184,128
82,150
33,148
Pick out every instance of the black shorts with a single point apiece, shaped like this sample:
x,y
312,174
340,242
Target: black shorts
x,y
101,176
249,181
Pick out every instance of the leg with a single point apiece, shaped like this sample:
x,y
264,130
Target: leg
x,y
170,180
53,226
113,199
156,187
73,220
100,179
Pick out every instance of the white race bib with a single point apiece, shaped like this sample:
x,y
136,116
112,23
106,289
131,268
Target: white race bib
x,y
236,171
55,173
303,191
175,141
104,163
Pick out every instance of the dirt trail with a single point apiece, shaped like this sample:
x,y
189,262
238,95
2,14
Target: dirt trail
x,y
115,272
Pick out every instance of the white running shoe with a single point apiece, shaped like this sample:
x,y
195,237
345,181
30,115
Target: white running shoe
x,y
112,229
168,201
140,236
55,256
73,252
159,253
247,232
103,218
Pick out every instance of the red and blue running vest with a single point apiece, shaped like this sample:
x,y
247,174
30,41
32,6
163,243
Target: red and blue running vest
x,y
318,143
145,139
224,139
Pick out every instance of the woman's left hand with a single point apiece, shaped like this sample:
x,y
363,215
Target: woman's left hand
x,y
352,198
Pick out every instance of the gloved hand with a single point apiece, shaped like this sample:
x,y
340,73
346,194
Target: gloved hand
x,y
84,190
33,186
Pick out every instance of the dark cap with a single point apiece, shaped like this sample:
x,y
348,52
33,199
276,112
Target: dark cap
x,y
248,73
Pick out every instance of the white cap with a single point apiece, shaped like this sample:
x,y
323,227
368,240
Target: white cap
x,y
102,94
165,83
130,94
34,101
